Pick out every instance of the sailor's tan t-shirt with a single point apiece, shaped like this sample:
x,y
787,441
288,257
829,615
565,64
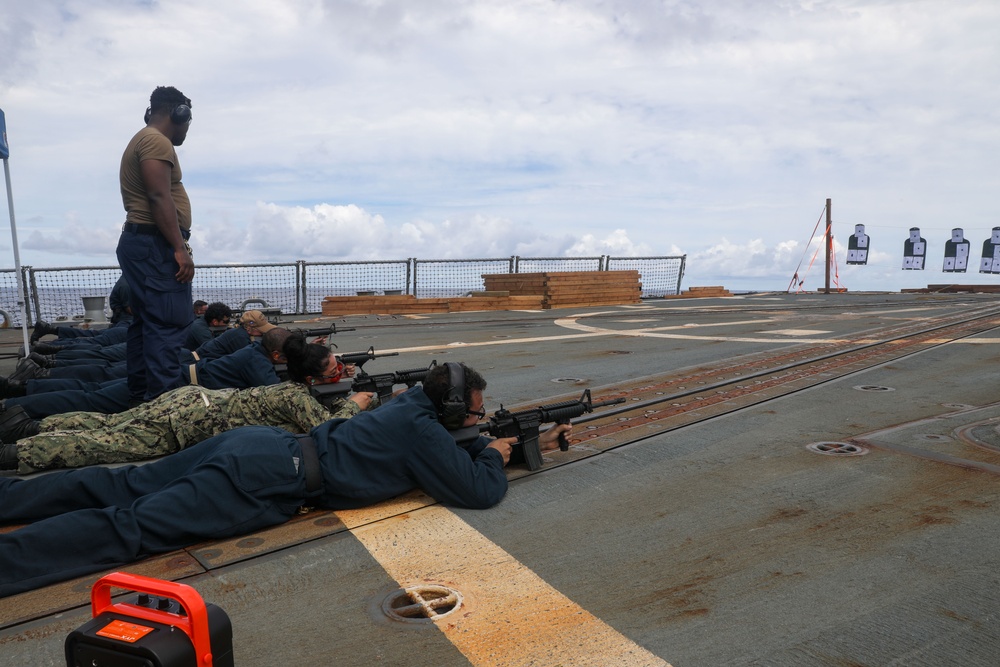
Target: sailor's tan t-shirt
x,y
151,144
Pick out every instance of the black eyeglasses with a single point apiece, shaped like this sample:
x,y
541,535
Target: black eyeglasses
x,y
480,414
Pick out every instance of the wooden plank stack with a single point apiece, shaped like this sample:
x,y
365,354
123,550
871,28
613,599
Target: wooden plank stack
x,y
954,289
700,293
406,304
519,291
571,289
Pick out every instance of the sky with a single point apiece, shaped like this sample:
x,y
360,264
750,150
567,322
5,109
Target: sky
x,y
335,130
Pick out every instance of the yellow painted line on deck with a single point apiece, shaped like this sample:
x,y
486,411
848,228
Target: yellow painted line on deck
x,y
510,617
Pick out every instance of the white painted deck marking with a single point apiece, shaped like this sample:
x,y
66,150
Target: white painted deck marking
x,y
510,617
796,332
783,337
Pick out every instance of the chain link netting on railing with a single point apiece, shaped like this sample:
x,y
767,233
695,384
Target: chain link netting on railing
x,y
299,288
58,293
551,264
323,279
10,311
438,278
254,286
660,276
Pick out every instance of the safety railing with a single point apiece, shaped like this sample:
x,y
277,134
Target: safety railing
x,y
55,294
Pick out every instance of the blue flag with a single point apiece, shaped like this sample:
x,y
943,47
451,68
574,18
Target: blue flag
x,y
4,151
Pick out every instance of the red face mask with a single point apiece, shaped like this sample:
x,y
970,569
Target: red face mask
x,y
327,379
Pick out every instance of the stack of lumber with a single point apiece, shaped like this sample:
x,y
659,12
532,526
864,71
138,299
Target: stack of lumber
x,y
954,289
505,291
700,293
569,289
405,304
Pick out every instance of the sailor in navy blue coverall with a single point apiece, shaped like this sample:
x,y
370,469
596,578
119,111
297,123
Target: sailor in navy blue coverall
x,y
100,372
93,519
251,366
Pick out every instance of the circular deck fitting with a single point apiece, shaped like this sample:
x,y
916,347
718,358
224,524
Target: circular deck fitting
x,y
424,603
250,542
837,449
569,380
872,387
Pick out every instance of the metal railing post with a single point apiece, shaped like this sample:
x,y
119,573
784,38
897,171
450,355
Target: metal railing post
x,y
27,278
301,290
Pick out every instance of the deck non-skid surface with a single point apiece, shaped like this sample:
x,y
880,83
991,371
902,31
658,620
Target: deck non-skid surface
x,y
727,541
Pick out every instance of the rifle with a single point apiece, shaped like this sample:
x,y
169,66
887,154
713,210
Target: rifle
x,y
524,426
359,358
356,358
382,383
321,331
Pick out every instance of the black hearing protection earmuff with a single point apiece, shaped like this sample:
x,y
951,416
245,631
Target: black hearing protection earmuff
x,y
453,408
179,115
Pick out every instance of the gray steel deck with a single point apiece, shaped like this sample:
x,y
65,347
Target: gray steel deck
x,y
727,542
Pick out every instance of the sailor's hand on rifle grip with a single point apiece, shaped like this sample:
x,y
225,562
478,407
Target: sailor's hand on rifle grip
x,y
556,436
503,445
563,441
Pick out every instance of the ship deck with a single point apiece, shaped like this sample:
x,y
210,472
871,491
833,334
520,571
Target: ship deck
x,y
792,480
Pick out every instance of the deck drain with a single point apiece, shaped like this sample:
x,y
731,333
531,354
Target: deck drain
x,y
569,380
873,387
837,449
425,603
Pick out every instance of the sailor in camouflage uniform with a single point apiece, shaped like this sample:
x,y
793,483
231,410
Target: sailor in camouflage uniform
x,y
179,418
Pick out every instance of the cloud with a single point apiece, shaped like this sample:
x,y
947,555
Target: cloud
x,y
750,259
450,128
340,233
73,240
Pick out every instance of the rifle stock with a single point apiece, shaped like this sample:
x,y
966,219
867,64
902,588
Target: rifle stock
x,y
382,383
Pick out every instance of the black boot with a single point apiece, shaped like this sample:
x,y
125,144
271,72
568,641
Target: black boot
x,y
11,389
43,360
16,424
46,348
42,328
28,370
8,457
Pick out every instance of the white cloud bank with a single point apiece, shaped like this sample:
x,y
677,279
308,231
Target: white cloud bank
x,y
344,129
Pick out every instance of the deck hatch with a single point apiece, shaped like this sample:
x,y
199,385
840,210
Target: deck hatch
x,y
837,449
424,603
